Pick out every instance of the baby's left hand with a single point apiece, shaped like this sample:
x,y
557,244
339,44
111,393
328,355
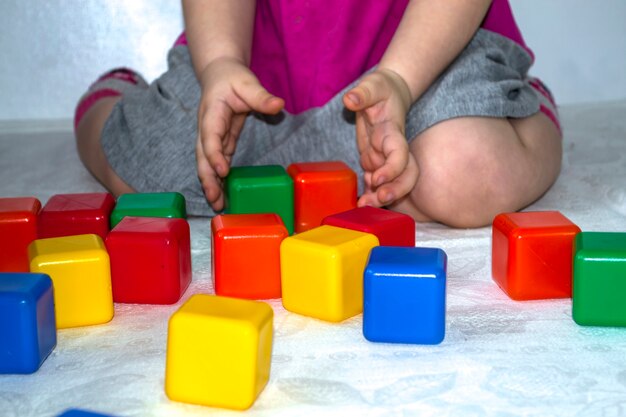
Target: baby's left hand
x,y
381,100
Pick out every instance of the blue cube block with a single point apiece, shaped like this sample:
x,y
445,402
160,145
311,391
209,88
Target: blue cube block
x,y
404,295
28,330
81,413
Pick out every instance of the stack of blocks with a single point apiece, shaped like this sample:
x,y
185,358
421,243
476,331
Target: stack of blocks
x,y
322,267
543,255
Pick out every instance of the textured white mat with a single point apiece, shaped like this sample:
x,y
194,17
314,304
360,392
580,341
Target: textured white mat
x,y
499,357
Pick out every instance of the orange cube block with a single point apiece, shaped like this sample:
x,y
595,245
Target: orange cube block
x,y
18,227
321,189
245,252
532,254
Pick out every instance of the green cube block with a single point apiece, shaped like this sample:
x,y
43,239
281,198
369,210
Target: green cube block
x,y
599,287
260,189
170,205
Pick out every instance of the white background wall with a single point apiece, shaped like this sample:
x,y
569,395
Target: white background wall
x,y
50,50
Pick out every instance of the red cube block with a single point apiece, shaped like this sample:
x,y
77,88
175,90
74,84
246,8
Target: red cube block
x,y
18,227
76,214
532,254
150,260
321,189
246,255
390,227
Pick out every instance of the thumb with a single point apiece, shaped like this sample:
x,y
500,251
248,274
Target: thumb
x,y
367,92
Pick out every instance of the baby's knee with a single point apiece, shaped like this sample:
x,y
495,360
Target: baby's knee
x,y
464,183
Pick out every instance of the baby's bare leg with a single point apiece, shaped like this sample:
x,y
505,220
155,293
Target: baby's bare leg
x,y
472,168
89,149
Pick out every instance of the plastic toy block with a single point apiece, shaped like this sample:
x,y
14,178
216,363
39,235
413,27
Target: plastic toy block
x,y
76,214
168,205
321,189
390,227
260,189
81,413
322,272
28,331
599,279
404,295
150,260
18,227
80,272
532,254
246,255
219,351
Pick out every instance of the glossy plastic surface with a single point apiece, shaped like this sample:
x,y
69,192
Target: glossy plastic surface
x,y
599,295
168,205
18,227
79,269
532,254
321,189
150,260
260,189
322,272
76,214
390,227
246,255
28,331
404,295
219,351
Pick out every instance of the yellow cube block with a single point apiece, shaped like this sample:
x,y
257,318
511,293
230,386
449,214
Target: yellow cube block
x,y
219,351
322,272
81,274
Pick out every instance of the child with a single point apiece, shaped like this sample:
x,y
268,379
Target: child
x,y
429,102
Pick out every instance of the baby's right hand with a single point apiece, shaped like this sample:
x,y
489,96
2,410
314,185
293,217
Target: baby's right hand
x,y
229,92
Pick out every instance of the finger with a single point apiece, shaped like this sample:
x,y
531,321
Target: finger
x,y
211,184
402,185
214,128
396,155
259,99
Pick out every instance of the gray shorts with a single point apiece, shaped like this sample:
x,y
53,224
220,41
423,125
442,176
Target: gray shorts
x,y
149,139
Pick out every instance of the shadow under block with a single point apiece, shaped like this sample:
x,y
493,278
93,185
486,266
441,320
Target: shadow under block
x,y
219,351
390,227
322,272
80,271
81,413
599,294
18,227
28,332
260,189
150,260
246,255
168,205
321,189
532,254
76,214
404,295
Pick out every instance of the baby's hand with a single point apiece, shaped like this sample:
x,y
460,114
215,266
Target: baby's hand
x,y
229,92
381,100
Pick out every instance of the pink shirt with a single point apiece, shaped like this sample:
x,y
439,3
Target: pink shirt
x,y
307,51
